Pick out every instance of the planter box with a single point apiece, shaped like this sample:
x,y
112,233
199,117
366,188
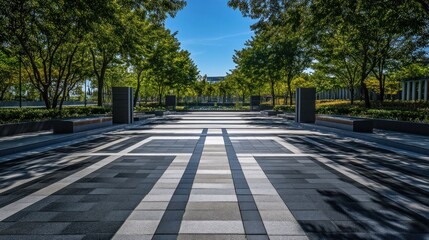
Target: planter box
x,y
159,113
288,116
346,123
140,117
80,125
27,127
269,113
402,126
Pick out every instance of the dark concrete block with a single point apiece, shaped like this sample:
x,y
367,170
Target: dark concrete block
x,y
346,123
18,128
402,126
159,113
122,105
305,105
170,101
269,113
80,125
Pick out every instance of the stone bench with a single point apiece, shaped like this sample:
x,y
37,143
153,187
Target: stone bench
x,y
159,113
269,113
140,117
402,126
346,123
287,116
81,124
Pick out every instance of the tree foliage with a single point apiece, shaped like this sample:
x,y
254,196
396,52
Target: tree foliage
x,y
57,41
347,41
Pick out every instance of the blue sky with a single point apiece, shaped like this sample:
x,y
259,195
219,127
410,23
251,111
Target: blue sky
x,y
210,31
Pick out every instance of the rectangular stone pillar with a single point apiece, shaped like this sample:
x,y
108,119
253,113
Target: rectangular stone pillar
x,y
413,89
305,105
171,101
426,90
122,105
255,101
403,90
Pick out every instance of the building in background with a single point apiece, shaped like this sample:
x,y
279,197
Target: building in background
x,y
213,80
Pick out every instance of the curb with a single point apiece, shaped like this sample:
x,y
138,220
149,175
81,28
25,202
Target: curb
x,y
71,137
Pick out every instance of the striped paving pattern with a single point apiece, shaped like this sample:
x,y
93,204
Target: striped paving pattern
x,y
216,176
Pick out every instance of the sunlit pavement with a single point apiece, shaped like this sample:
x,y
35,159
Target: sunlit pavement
x,y
216,176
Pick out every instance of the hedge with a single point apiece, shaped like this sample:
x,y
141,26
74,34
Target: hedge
x,y
401,111
142,109
15,115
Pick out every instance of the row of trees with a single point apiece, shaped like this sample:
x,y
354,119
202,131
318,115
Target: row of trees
x,y
341,42
58,45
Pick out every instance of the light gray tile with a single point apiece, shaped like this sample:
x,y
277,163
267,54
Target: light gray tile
x,y
209,227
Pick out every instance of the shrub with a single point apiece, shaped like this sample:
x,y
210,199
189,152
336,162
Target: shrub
x,y
284,108
142,109
401,111
14,115
180,108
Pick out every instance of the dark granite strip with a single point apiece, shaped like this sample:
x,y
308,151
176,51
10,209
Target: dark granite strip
x,y
329,205
124,144
96,204
28,188
252,220
169,225
411,191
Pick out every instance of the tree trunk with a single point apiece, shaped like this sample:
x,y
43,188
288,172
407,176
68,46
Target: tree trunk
x,y
2,93
352,95
382,88
100,76
366,95
286,98
137,92
273,100
381,96
45,97
160,96
100,93
365,70
289,89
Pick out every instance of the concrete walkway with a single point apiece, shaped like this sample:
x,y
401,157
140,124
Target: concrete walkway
x,y
216,176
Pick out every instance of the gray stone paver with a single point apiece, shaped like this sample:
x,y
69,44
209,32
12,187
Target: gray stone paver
x,y
132,184
211,227
213,163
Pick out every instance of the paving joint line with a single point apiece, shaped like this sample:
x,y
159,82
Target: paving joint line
x,y
183,188
237,173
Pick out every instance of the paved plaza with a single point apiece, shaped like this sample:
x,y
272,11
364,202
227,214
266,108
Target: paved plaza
x,y
216,176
